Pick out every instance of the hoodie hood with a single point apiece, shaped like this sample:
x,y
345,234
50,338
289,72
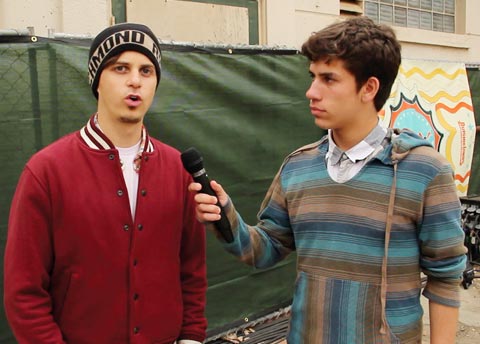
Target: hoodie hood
x,y
398,144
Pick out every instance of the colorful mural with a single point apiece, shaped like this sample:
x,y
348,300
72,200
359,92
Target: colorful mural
x,y
433,99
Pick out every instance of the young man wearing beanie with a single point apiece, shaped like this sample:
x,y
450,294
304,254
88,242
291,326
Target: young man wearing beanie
x,y
103,245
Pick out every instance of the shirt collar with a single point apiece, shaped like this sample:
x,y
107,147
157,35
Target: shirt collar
x,y
94,138
358,152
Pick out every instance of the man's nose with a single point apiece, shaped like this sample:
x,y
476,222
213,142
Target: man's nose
x,y
134,79
313,91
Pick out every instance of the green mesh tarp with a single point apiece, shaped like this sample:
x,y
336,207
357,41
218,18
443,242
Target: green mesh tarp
x,y
245,110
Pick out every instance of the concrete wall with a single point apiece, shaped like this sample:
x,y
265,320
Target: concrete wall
x,y
79,17
191,22
282,23
290,22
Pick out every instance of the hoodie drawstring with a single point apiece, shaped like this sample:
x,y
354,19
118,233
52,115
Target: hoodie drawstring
x,y
383,290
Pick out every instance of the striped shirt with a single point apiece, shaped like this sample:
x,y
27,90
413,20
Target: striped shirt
x,y
358,281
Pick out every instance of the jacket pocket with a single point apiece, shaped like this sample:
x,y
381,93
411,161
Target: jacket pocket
x,y
64,298
59,292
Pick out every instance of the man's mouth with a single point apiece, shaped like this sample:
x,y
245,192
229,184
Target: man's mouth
x,y
134,97
133,100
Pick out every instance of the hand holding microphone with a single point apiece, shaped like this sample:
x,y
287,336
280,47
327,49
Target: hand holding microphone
x,y
193,163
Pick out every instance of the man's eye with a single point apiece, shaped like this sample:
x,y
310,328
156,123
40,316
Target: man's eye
x,y
120,68
147,71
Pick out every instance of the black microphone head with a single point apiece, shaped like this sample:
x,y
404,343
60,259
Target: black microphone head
x,y
192,160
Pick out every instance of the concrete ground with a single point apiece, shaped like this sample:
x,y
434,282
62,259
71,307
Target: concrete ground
x,y
468,331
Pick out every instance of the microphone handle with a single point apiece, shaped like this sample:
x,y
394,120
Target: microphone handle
x,y
222,225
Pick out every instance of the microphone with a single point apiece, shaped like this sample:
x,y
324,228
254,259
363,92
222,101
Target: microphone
x,y
193,163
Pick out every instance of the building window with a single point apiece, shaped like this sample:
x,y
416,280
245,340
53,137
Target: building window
x,y
435,15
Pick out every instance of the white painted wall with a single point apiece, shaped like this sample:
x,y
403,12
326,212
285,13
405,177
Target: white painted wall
x,y
87,17
290,22
284,23
191,22
78,17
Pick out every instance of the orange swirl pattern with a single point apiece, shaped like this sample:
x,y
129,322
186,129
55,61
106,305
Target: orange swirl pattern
x,y
438,95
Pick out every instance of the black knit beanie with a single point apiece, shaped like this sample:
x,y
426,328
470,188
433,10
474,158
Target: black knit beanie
x,y
116,39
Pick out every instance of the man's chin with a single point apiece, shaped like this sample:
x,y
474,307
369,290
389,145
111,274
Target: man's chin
x,y
131,118
322,124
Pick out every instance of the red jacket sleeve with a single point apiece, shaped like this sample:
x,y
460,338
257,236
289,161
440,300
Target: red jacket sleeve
x,y
28,260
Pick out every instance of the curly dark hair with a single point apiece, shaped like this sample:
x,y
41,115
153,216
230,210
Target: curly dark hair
x,y
366,49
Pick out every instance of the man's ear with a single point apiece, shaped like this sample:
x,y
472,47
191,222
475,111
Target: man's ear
x,y
370,89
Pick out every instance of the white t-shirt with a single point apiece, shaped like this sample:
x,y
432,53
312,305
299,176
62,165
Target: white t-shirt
x,y
127,155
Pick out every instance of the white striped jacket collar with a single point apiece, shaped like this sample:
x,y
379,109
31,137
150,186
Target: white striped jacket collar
x,y
96,139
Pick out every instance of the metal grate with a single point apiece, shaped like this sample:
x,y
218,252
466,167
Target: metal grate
x,y
269,329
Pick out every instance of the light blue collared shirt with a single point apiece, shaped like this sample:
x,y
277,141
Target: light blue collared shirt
x,y
343,166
